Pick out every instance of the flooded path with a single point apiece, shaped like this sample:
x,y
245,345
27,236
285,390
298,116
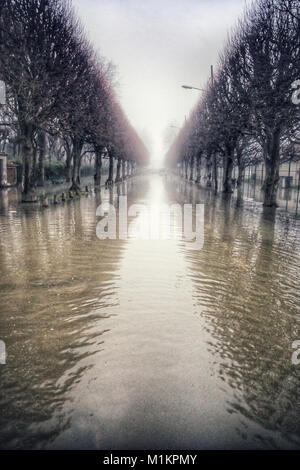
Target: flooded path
x,y
147,344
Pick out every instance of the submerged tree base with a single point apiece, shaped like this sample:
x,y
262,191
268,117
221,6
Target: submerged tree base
x,y
270,204
227,191
109,182
270,193
75,188
29,196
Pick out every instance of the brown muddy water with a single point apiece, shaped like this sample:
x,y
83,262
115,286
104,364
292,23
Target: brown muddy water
x,y
118,344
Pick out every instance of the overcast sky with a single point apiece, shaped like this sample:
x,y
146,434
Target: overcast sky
x,y
158,45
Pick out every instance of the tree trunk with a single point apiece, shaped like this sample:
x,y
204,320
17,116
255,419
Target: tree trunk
x,y
272,161
28,176
123,169
215,172
192,168
98,167
110,178
118,176
78,170
208,170
198,168
42,142
77,149
228,167
186,167
68,165
240,177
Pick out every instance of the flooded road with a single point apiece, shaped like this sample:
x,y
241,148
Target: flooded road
x,y
127,344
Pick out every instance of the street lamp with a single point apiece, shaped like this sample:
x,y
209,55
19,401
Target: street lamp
x,y
187,87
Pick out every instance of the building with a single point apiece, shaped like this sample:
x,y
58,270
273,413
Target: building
x,y
8,172
3,170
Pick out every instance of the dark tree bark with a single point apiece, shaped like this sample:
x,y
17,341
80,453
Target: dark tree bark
x,y
77,149
240,177
68,165
110,178
68,149
240,166
186,168
198,167
215,172
123,169
228,167
98,166
272,162
78,172
28,176
208,170
42,144
192,168
118,175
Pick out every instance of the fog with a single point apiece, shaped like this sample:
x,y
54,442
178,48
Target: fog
x,y
157,46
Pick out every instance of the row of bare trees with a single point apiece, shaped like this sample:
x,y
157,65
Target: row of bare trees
x,y
246,114
57,87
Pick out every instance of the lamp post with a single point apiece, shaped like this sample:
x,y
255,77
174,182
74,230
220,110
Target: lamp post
x,y
188,87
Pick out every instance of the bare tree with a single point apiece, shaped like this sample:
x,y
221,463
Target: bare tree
x,y
272,42
37,37
249,101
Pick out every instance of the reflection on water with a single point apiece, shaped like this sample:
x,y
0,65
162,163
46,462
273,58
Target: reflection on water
x,y
287,198
145,344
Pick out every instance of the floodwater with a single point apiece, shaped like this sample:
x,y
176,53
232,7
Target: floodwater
x,y
128,344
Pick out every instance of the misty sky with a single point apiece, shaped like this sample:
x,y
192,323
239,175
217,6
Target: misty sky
x,y
158,45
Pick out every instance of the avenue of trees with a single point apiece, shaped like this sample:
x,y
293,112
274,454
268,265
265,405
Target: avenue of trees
x,y
60,96
247,114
